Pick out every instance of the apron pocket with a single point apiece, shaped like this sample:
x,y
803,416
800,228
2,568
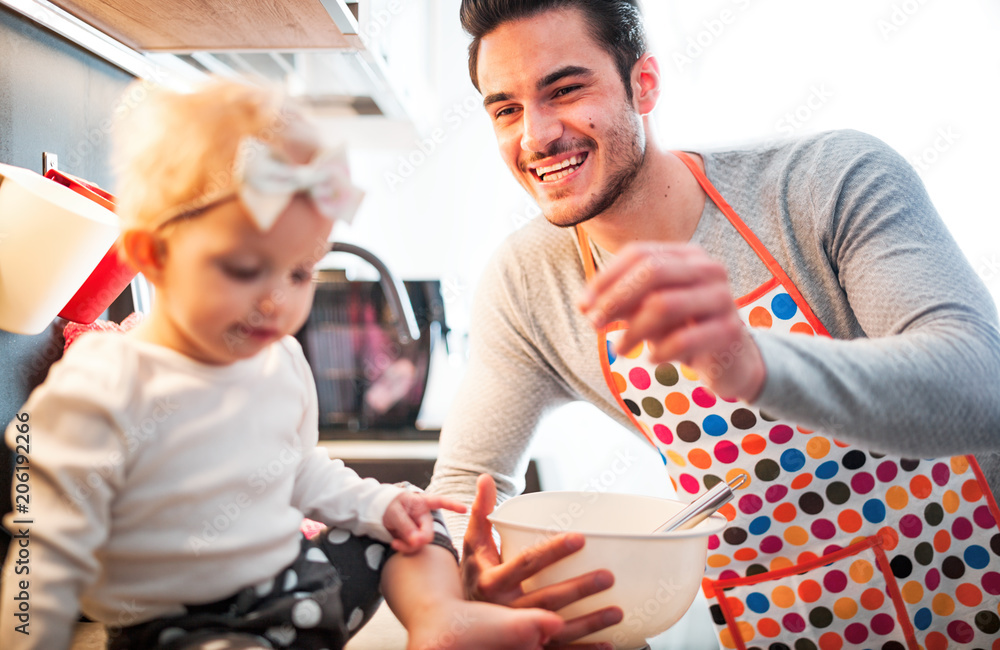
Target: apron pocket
x,y
844,599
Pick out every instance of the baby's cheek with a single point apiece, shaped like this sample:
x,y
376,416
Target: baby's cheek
x,y
300,308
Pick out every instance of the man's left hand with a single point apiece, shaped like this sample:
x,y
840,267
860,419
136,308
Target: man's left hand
x,y
678,299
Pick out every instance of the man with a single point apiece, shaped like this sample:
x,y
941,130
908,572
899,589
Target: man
x,y
801,311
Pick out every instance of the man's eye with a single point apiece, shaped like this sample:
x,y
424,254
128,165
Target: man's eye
x,y
504,112
562,92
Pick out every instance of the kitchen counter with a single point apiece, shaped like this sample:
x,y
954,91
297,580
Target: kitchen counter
x,y
394,433
381,449
392,461
388,461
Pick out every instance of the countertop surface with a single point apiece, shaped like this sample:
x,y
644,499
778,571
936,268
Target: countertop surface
x,y
381,449
394,433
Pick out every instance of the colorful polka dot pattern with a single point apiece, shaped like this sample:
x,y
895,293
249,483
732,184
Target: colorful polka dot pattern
x,y
843,604
809,495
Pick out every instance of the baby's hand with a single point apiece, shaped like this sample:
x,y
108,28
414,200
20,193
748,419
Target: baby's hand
x,y
408,519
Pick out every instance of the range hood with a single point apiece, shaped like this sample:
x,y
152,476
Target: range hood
x,y
326,52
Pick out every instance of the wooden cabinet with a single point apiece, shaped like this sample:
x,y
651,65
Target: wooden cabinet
x,y
180,26
329,53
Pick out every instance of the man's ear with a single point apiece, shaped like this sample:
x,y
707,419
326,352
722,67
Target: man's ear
x,y
146,252
646,84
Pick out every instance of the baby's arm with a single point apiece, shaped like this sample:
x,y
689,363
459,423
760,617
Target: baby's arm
x,y
328,491
325,489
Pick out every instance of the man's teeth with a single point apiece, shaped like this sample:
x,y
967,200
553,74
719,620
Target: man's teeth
x,y
557,176
575,160
559,170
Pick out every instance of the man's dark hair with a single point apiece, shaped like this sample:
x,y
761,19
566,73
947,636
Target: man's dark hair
x,y
615,24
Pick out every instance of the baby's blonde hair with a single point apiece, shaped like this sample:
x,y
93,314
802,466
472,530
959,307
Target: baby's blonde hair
x,y
176,149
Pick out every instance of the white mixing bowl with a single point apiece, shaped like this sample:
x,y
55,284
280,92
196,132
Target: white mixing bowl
x,y
656,576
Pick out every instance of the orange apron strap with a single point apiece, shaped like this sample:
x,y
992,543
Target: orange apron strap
x,y
986,490
755,243
588,256
602,341
892,588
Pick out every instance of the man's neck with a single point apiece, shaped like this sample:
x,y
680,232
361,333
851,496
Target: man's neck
x,y
663,204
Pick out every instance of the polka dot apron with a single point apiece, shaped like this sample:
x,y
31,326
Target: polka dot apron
x,y
829,546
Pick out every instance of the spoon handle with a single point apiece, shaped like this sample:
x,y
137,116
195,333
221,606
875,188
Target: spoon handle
x,y
702,507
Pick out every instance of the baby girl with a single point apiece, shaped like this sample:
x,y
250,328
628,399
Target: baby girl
x,y
172,466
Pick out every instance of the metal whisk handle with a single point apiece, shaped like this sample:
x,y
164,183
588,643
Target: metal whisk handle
x,y
702,507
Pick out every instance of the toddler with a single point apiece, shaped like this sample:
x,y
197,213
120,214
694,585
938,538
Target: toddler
x,y
171,466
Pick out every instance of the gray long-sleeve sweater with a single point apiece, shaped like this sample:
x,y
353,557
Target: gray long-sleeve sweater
x,y
913,367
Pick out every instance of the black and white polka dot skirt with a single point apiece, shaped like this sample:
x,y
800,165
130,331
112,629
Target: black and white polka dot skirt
x,y
318,602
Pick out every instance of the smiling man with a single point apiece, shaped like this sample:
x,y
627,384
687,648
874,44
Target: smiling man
x,y
795,312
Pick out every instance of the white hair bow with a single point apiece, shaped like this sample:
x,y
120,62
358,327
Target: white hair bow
x,y
268,183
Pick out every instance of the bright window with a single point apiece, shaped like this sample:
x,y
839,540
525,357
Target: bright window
x,y
922,75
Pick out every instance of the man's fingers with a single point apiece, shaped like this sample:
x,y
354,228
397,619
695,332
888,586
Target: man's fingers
x,y
641,258
723,353
626,295
664,312
611,274
486,497
482,506
581,626
532,560
555,597
479,533
698,340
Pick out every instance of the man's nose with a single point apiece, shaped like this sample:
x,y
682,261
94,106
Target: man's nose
x,y
542,127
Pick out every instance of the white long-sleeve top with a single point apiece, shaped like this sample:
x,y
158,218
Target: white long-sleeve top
x,y
155,480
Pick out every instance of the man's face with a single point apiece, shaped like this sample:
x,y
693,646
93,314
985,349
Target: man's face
x,y
560,113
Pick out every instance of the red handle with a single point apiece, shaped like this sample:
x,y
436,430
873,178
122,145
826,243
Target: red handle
x,y
93,192
111,275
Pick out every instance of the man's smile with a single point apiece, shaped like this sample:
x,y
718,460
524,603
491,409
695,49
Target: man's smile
x,y
556,171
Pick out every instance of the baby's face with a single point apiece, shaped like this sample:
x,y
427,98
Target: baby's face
x,y
228,290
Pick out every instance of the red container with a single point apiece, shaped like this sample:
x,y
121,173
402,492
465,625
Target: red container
x,y
112,274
